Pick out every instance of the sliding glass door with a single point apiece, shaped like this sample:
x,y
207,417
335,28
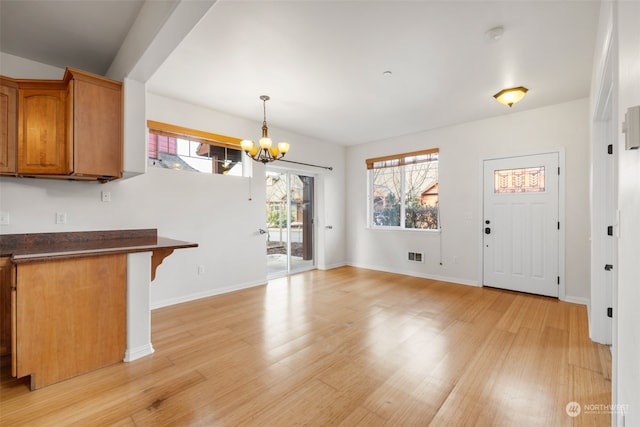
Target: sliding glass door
x,y
289,217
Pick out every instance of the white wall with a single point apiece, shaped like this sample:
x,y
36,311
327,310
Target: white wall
x,y
462,148
330,187
211,210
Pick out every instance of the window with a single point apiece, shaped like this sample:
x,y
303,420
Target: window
x,y
403,191
175,147
526,180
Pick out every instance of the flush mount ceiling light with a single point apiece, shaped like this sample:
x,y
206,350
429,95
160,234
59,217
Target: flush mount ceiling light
x,y
264,151
511,95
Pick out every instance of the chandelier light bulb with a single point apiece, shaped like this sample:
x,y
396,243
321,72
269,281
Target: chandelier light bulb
x,y
265,143
246,145
283,147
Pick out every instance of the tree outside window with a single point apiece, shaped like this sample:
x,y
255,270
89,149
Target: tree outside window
x,y
404,191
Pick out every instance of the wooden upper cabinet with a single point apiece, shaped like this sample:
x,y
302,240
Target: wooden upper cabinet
x,y
97,125
8,126
42,146
71,128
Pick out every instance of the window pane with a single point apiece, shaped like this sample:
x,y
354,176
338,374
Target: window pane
x,y
188,155
421,195
163,144
183,147
153,146
386,196
405,190
525,180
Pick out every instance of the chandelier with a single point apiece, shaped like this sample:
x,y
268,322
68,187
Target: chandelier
x,y
264,151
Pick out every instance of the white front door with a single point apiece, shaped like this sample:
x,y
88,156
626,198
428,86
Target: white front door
x,y
521,228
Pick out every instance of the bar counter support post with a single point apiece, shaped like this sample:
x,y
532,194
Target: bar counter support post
x,y
138,306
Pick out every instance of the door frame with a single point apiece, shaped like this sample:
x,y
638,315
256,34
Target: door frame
x,y
604,188
561,215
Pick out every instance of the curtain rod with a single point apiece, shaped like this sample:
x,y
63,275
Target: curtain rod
x,y
306,164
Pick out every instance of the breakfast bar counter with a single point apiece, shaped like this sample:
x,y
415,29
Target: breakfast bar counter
x,y
77,301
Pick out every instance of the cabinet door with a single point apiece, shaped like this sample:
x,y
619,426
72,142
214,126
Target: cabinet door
x,y
8,129
70,317
42,147
97,127
6,268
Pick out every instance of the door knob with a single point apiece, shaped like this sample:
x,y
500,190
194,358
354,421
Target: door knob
x,y
261,231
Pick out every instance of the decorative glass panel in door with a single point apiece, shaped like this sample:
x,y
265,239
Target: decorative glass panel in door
x,y
289,215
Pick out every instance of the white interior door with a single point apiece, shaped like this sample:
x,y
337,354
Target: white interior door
x,y
521,227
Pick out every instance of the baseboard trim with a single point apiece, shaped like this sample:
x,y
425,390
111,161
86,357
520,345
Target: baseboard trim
x,y
137,353
575,300
331,266
209,293
213,292
455,280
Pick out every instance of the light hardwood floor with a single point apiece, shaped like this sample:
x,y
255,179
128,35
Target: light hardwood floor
x,y
346,347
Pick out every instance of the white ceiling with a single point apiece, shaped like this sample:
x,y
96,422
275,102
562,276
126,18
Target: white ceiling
x,y
81,34
322,62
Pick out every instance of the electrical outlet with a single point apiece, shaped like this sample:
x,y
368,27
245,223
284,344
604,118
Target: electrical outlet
x,y
105,196
61,217
201,269
4,218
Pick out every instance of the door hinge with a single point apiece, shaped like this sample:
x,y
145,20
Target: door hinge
x,y
610,230
609,311
558,170
610,149
558,225
558,280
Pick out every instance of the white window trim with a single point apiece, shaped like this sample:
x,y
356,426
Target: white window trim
x,y
371,226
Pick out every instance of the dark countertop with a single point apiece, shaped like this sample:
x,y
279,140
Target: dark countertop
x,y
47,246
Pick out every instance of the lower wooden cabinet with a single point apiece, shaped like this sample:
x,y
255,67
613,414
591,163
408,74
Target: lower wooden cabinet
x,y
6,283
69,317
